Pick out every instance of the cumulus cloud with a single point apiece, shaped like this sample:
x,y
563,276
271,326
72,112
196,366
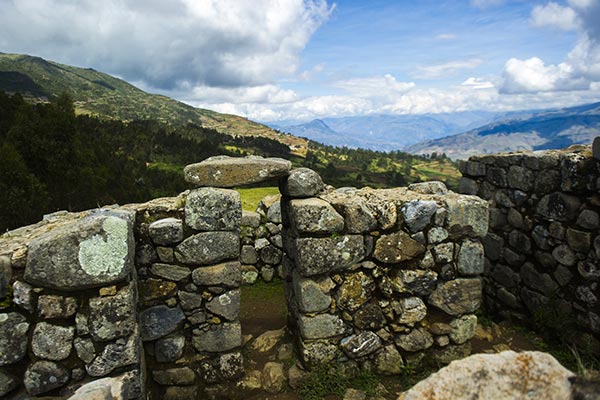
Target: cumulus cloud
x,y
581,68
447,69
167,45
477,83
553,14
377,86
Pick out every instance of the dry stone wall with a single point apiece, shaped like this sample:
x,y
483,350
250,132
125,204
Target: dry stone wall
x,y
377,279
543,246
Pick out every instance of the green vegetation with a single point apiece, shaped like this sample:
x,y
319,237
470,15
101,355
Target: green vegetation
x,y
252,196
323,381
263,293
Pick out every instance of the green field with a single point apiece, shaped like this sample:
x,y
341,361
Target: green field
x,y
252,196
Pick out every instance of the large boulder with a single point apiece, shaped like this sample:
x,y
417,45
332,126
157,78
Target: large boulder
x,y
94,251
210,209
319,255
507,375
225,172
302,182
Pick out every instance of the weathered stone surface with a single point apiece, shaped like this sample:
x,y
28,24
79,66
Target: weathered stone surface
x,y
302,182
314,216
267,341
358,216
226,172
226,305
156,289
43,376
389,361
417,282
250,218
588,219
312,296
318,255
504,376
321,326
208,248
409,310
249,274
470,258
431,187
248,255
180,393
443,252
210,209
169,349
564,255
167,231
274,213
171,272
457,297
231,366
270,255
50,306
417,339
116,388
370,316
94,251
318,353
52,342
361,344
468,186
115,355
5,276
558,206
7,384
273,377
355,291
417,214
85,349
218,338
183,376
112,316
397,247
189,300
579,241
226,274
520,178
23,296
538,281
159,321
13,338
437,235
463,328
468,213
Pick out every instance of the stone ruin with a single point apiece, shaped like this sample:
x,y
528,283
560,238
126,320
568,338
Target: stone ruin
x,y
144,298
543,245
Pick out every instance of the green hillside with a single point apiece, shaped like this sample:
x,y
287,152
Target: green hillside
x,y
99,94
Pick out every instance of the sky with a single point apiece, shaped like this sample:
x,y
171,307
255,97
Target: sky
x,y
272,60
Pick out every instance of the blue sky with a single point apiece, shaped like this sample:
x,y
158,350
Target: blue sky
x,y
303,59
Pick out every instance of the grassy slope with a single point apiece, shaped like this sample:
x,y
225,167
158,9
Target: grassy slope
x,y
103,95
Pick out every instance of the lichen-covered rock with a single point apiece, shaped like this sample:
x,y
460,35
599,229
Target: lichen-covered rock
x,y
369,316
226,305
169,348
51,306
312,296
250,218
227,274
94,251
7,384
416,282
457,297
273,377
558,206
417,214
389,361
5,276
504,376
171,272
159,321
248,255
321,326
314,216
111,317
189,300
115,355
23,296
520,178
355,291
358,216
52,342
302,182
541,282
231,366
226,172
218,338
13,338
318,255
208,248
360,345
409,310
270,255
415,340
85,349
166,231
210,209
470,258
467,213
463,328
431,187
397,247
44,376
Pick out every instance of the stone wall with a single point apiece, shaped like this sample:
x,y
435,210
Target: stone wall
x,y
377,279
543,246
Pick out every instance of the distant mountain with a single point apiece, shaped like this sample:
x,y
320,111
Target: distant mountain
x,y
386,132
550,129
100,94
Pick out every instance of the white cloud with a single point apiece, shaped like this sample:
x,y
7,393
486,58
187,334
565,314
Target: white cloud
x,y
447,69
377,86
167,45
477,83
553,14
532,75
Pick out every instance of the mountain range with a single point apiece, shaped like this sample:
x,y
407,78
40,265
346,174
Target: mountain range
x,y
539,130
